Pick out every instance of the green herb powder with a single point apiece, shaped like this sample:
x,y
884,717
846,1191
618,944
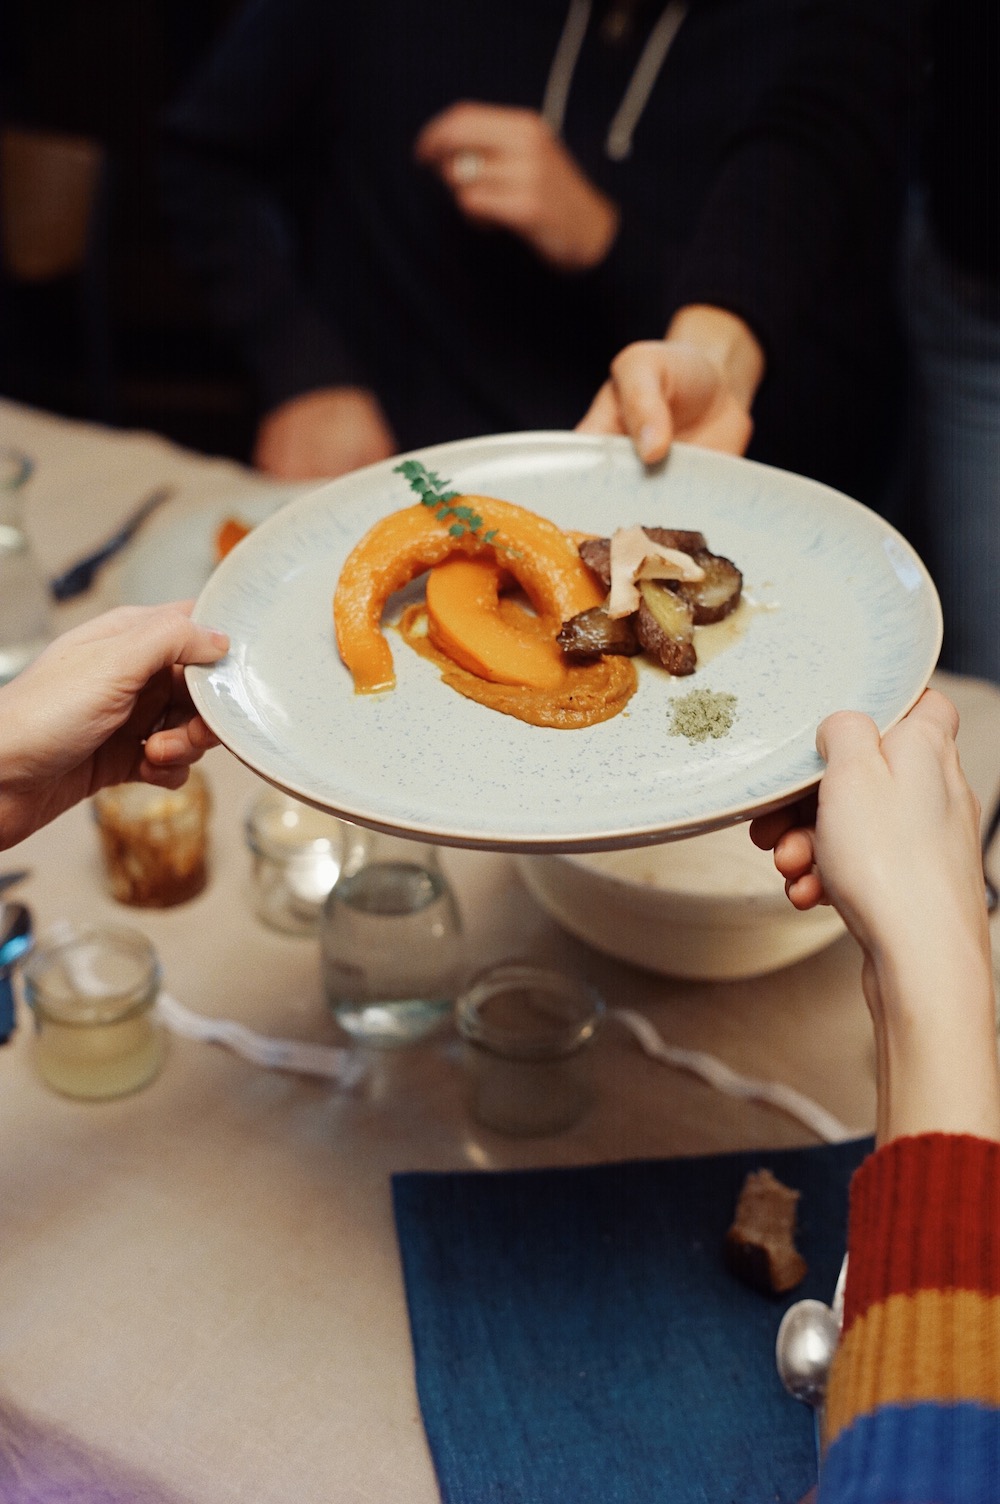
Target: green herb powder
x,y
703,713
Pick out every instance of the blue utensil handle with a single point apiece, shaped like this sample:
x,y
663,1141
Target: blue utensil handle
x,y
80,576
7,1019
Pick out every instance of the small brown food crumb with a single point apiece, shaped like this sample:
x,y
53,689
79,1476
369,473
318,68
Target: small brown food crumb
x,y
760,1245
703,713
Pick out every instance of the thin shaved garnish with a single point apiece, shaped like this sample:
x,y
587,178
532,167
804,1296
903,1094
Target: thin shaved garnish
x,y
635,556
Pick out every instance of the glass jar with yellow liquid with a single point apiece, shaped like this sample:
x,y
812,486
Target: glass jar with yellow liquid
x,y
92,994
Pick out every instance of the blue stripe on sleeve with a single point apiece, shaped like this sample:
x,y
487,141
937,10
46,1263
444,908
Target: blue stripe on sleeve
x,y
928,1453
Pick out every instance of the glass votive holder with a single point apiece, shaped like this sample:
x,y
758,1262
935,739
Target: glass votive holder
x,y
92,994
155,841
298,853
526,1033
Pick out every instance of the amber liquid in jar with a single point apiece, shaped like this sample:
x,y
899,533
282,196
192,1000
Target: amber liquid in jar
x,y
155,841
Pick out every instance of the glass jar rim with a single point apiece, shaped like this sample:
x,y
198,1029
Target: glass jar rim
x,y
524,1011
85,1010
276,850
133,799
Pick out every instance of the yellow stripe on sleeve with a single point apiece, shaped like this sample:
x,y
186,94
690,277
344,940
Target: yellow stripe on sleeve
x,y
933,1345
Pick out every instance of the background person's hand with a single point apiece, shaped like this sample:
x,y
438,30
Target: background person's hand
x,y
696,385
104,703
323,434
507,169
893,842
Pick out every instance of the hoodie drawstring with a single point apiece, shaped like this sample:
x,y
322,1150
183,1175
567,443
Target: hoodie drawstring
x,y
618,142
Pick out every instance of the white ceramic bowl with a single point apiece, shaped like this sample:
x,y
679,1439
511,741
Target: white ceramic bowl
x,y
711,907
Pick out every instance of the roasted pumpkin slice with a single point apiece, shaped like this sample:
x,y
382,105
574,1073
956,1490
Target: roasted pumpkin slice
x,y
399,547
464,620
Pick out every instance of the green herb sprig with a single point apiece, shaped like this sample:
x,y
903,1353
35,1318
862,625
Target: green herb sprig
x,y
429,486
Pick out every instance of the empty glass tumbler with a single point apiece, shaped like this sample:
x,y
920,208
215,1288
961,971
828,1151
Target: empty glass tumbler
x,y
391,942
527,1032
25,604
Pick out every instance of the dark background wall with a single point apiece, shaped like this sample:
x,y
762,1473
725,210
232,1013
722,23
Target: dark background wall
x,y
104,69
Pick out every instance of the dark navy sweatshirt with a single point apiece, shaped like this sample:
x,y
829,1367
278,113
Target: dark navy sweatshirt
x,y
764,176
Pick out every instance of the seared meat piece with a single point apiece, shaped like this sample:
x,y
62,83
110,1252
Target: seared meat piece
x,y
590,633
596,552
668,611
717,594
665,626
684,539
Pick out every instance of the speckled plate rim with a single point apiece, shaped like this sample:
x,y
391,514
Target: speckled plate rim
x,y
234,699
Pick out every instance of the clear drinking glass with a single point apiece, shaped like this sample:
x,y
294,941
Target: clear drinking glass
x,y
25,604
527,1032
391,943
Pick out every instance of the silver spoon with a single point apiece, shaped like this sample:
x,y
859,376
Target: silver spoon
x,y
15,939
803,1351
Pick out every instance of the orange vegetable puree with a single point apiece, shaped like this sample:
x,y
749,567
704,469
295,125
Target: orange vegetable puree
x,y
591,692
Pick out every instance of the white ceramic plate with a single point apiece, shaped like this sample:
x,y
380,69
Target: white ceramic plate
x,y
854,623
174,554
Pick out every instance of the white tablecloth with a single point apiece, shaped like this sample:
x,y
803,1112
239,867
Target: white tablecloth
x,y
201,1282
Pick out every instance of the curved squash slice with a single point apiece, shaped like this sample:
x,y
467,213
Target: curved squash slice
x,y
399,547
464,620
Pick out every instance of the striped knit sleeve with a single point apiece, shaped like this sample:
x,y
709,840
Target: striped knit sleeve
x,y
913,1408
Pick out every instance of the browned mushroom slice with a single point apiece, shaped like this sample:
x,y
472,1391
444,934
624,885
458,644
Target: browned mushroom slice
x,y
718,593
665,627
593,632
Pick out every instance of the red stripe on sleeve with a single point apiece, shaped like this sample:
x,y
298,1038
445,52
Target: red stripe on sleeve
x,y
925,1215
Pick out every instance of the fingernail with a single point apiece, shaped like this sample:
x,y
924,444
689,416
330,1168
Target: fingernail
x,y
648,438
221,639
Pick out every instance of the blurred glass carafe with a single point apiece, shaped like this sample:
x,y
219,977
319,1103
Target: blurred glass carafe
x,y
391,943
25,607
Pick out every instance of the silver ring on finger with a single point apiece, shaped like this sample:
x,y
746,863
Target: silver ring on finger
x,y
466,166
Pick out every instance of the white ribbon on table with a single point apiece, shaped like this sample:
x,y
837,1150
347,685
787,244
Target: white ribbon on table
x,y
333,1063
347,1067
330,1061
716,1073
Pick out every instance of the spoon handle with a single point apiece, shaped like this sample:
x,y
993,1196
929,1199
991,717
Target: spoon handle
x,y
6,1007
988,837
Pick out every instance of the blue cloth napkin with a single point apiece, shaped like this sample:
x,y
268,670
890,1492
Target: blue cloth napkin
x,y
578,1339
